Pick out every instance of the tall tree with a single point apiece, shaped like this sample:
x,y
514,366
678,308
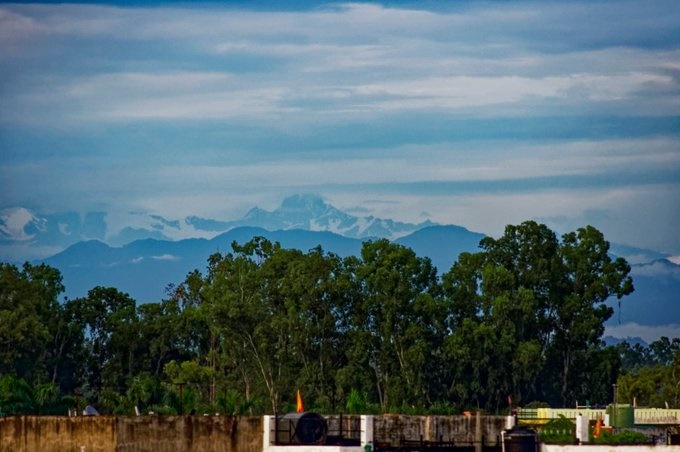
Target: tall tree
x,y
113,339
401,321
590,277
315,302
245,312
163,334
544,301
29,320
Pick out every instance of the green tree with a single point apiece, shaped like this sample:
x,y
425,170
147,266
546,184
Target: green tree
x,y
232,306
497,299
655,385
244,310
112,339
662,351
313,290
634,356
400,321
28,309
164,333
590,278
537,306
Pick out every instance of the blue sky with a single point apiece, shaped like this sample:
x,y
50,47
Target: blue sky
x,y
480,114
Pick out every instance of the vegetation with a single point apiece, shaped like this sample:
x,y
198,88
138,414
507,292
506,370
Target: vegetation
x,y
624,437
650,375
383,331
559,431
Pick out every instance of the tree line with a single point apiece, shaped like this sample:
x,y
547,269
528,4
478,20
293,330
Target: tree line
x,y
520,321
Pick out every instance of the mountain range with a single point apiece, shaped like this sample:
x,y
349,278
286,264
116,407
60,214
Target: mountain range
x,y
145,258
144,268
28,235
312,213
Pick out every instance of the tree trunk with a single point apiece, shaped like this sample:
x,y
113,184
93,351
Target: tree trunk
x,y
566,364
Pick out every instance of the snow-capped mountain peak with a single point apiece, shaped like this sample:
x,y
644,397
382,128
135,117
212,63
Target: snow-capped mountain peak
x,y
313,213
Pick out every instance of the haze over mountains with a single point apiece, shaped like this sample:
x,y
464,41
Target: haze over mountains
x,y
144,258
26,235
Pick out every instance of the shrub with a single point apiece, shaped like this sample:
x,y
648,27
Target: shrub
x,y
559,431
624,437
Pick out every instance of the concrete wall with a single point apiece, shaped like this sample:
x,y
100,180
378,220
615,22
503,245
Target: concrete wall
x,y
218,433
460,429
54,433
131,434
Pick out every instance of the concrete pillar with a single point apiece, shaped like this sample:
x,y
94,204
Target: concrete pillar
x,y
478,432
366,429
267,430
509,422
582,428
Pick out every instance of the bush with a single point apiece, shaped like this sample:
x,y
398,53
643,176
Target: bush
x,y
356,403
559,431
624,437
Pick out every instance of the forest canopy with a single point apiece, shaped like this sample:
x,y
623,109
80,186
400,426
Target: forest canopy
x,y
520,320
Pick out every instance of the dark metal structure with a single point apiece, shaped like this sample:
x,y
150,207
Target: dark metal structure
x,y
304,428
520,439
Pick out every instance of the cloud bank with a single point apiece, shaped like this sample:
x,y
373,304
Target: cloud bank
x,y
481,114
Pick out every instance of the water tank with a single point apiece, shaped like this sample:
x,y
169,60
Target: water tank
x,y
621,415
520,439
305,428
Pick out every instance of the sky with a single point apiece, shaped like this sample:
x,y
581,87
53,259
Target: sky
x,y
479,114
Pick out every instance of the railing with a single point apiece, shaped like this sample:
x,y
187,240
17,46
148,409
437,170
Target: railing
x,y
642,416
341,430
543,415
656,416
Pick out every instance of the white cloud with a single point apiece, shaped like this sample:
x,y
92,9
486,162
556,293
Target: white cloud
x,y
13,223
317,95
165,257
648,333
446,162
64,228
170,95
469,91
204,95
657,268
395,60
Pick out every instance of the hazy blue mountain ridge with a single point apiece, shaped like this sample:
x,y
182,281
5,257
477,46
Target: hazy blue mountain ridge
x,y
144,268
656,299
442,244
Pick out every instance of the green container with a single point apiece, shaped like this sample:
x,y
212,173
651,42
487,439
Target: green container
x,y
621,415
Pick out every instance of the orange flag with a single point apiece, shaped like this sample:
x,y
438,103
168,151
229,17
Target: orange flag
x,y
300,406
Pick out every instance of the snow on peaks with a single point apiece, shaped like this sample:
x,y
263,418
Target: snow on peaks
x,y
305,203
